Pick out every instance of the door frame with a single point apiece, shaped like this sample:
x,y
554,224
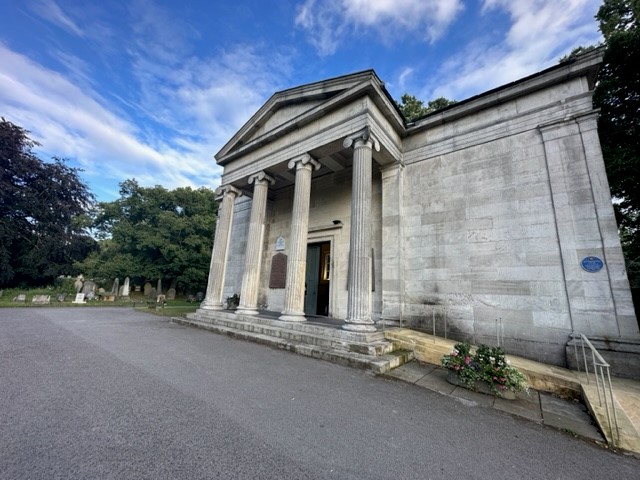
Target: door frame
x,y
323,236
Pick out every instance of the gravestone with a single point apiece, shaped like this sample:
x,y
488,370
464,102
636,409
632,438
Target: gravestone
x,y
147,289
153,294
101,291
121,291
78,284
171,294
125,288
61,297
79,298
138,288
89,286
91,295
41,299
115,287
20,298
199,296
159,286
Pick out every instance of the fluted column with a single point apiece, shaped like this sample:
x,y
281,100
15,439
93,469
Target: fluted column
x,y
253,255
297,260
215,285
359,297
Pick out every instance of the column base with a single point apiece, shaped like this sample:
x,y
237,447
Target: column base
x,y
292,317
359,327
246,311
211,306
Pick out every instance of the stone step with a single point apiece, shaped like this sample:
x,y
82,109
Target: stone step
x,y
379,363
306,327
302,334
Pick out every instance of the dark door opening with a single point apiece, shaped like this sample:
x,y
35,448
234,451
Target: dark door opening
x,y
316,296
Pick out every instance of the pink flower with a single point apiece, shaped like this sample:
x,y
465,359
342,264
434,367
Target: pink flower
x,y
467,360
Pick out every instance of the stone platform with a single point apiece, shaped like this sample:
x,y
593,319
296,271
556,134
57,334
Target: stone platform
x,y
319,337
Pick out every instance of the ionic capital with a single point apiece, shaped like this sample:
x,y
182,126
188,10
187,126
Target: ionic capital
x,y
365,136
302,160
261,177
224,190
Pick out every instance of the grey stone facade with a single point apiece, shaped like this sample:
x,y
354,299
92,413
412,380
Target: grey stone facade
x,y
479,215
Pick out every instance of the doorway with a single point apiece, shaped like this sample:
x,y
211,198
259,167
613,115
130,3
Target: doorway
x,y
317,279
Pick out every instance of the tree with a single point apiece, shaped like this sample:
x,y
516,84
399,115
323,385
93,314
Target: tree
x,y
151,233
617,94
43,210
412,108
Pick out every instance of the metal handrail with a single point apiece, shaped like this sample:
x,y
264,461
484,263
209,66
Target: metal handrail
x,y
603,382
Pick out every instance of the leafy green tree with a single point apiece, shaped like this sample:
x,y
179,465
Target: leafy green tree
x,y
43,207
617,94
151,233
412,108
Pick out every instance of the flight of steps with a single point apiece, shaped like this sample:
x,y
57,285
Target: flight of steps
x,y
370,351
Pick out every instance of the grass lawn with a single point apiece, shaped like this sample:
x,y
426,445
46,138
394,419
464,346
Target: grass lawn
x,y
177,307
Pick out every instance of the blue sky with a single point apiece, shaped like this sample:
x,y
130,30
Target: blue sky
x,y
152,89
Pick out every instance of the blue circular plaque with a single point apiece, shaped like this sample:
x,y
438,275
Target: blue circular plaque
x,y
592,264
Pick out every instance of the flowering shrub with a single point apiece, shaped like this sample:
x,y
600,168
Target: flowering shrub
x,y
488,364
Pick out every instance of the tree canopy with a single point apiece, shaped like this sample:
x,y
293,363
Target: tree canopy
x,y
617,94
43,210
412,108
151,233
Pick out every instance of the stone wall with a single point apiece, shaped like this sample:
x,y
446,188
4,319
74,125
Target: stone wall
x,y
498,211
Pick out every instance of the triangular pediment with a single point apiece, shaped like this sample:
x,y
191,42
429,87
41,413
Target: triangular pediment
x,y
289,109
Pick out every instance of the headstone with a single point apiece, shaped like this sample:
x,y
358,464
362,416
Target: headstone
x,y
79,298
121,291
78,283
115,287
91,295
101,291
161,299
191,298
41,299
61,297
171,294
138,288
153,294
199,296
89,286
159,286
20,298
147,289
125,288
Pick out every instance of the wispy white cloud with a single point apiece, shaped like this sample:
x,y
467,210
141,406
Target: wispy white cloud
x,y
199,106
51,11
539,33
328,23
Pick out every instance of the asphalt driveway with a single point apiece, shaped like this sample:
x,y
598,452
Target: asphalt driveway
x,y
112,393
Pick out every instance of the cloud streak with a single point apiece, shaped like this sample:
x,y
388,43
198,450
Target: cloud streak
x,y
329,23
539,33
165,130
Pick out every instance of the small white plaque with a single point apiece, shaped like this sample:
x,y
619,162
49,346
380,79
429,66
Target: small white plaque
x,y
79,298
279,244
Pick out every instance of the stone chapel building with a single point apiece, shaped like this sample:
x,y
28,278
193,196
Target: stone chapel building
x,y
494,209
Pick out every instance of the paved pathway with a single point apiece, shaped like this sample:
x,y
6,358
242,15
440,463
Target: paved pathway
x,y
113,393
